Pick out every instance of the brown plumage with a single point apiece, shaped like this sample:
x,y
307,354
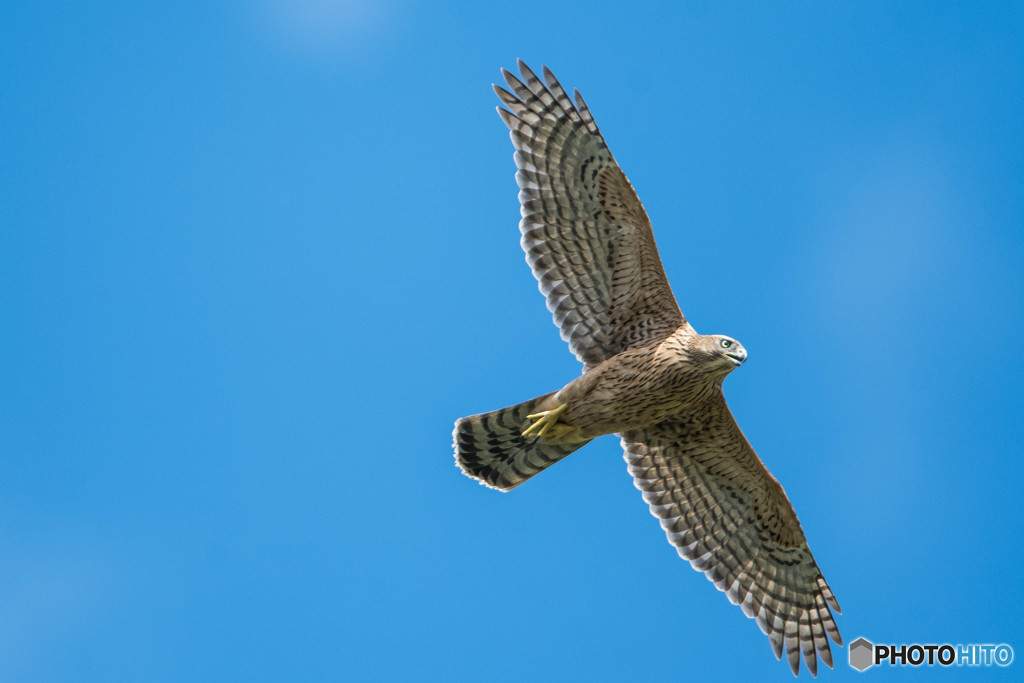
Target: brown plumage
x,y
648,376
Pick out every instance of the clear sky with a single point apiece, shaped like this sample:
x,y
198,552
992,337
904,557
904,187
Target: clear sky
x,y
257,257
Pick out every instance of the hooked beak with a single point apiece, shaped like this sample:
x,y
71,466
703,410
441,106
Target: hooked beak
x,y
737,356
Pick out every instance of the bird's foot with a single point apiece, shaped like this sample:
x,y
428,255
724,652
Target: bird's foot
x,y
546,424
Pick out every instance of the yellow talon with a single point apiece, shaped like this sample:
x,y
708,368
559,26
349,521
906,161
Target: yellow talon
x,y
546,423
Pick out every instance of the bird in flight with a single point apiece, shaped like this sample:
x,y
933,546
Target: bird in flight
x,y
648,377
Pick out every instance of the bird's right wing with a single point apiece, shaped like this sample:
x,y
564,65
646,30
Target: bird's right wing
x,y
725,513
585,233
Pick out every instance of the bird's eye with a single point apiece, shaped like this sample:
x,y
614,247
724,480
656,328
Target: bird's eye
x,y
726,343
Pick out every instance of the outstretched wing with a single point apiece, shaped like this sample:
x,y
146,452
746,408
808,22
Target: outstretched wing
x,y
725,513
585,233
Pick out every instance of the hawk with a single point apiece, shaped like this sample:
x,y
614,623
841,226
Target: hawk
x,y
648,376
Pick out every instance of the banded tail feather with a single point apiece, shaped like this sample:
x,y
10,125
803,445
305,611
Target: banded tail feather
x,y
490,446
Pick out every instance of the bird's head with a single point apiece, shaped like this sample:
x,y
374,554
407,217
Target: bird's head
x,y
722,354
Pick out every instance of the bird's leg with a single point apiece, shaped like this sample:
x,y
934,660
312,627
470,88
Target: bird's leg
x,y
546,424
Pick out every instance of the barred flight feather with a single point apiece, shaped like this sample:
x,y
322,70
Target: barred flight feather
x,y
490,447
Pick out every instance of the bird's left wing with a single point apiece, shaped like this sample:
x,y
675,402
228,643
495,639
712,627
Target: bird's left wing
x,y
725,513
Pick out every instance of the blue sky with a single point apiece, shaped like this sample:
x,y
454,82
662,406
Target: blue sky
x,y
255,259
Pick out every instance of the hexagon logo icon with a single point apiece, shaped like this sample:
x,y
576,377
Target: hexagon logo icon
x,y
862,654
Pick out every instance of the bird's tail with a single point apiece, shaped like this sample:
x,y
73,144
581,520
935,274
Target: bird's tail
x,y
491,446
